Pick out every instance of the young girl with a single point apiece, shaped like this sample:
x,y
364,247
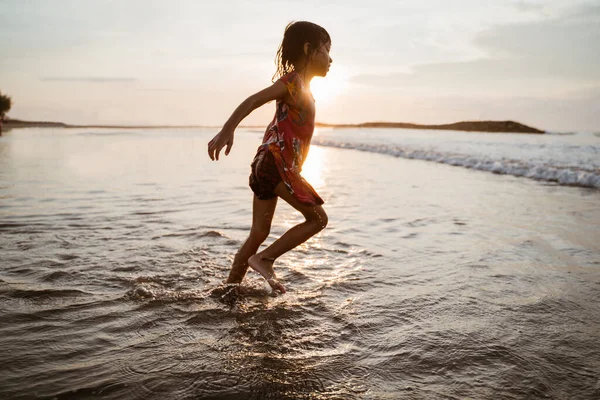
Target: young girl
x,y
275,171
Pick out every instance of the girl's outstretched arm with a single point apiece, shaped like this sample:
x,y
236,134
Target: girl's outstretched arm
x,y
225,136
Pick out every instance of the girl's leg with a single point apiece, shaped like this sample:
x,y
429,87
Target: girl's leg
x,y
316,220
262,215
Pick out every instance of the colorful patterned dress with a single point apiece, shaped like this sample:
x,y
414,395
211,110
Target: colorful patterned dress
x,y
287,139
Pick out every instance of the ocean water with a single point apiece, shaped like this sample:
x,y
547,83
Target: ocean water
x,y
566,158
455,265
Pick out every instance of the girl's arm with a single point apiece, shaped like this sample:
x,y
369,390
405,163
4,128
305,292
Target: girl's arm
x,y
225,137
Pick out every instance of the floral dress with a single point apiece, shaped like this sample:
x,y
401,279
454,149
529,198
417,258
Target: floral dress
x,y
288,136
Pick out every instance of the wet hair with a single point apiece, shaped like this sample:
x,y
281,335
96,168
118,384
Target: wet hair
x,y
290,55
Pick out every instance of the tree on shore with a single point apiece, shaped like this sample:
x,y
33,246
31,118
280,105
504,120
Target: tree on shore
x,y
5,104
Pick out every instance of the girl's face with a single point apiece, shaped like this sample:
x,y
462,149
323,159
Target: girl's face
x,y
320,60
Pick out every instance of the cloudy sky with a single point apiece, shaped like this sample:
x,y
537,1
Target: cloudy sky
x,y
193,61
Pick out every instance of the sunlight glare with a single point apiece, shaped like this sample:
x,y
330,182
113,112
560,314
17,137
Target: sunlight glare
x,y
326,90
312,170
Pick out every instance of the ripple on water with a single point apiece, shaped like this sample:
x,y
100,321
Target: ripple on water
x,y
45,295
191,234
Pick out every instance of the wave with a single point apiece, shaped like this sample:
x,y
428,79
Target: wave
x,y
45,293
563,175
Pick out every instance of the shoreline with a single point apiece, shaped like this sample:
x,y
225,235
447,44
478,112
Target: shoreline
x,y
466,126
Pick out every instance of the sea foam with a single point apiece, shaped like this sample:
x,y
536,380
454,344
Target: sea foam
x,y
571,175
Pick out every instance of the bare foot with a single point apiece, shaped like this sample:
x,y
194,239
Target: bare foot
x,y
265,268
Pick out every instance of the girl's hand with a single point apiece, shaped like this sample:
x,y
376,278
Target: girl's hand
x,y
218,142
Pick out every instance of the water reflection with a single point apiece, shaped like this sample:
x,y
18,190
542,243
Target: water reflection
x,y
315,167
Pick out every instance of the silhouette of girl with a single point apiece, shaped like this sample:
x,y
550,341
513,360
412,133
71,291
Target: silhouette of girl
x,y
302,55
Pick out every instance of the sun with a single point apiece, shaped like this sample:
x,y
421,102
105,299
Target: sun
x,y
326,90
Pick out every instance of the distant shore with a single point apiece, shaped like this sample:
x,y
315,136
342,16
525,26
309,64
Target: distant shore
x,y
469,126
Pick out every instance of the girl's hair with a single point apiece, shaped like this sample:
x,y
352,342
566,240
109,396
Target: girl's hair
x,y
290,55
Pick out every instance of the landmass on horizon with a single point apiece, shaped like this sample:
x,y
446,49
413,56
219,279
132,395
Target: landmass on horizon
x,y
469,126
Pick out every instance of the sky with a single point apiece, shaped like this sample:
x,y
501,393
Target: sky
x,y
191,62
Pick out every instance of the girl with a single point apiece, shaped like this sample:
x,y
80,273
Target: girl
x,y
275,170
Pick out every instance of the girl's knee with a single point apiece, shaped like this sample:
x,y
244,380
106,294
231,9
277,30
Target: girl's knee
x,y
319,219
324,220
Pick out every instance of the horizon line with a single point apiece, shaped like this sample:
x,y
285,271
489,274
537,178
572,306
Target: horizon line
x,y
317,124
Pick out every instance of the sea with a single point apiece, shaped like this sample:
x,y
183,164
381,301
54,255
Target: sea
x,y
456,265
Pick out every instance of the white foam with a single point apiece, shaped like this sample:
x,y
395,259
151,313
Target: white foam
x,y
563,175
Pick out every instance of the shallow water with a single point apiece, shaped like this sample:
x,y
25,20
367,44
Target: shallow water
x,y
430,281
